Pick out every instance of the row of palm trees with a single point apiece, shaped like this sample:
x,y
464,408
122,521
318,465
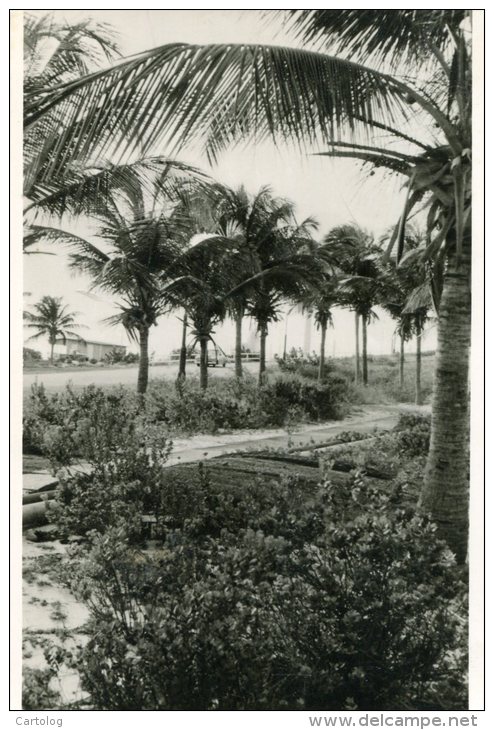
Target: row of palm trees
x,y
217,94
214,252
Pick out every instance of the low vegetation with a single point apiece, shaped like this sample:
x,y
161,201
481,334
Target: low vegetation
x,y
181,409
288,595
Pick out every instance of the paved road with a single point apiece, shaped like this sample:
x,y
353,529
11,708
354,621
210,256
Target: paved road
x,y
57,380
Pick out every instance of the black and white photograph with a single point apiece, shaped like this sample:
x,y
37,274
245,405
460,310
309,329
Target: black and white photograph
x,y
250,273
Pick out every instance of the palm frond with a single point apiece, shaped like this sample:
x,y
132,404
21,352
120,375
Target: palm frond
x,y
397,36
216,94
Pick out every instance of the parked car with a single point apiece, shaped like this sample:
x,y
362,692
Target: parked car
x,y
216,358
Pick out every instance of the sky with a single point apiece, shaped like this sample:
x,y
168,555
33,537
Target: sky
x,y
332,191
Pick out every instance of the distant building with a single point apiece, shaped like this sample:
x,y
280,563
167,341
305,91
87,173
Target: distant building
x,y
92,349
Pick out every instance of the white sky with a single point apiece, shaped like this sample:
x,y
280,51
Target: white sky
x,y
333,191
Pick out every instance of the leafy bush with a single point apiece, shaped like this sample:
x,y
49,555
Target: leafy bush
x,y
66,426
29,355
297,362
51,421
413,434
37,694
123,457
318,401
233,404
186,408
364,608
117,356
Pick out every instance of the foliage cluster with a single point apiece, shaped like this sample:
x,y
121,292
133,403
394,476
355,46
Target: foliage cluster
x,y
294,597
413,434
281,595
52,421
296,362
29,355
117,356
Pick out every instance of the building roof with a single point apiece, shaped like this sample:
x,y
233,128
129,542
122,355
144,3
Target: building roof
x,y
71,338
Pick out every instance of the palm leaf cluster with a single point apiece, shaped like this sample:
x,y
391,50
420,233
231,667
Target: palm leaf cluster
x,y
51,319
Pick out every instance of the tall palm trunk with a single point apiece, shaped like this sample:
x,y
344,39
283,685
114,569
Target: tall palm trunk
x,y
203,371
365,375
183,349
402,362
322,351
445,490
143,374
52,348
357,348
263,333
238,343
418,366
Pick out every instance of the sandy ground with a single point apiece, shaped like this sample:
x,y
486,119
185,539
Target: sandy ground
x,y
56,380
49,609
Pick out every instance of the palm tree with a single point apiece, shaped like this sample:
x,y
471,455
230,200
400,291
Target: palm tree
x,y
55,53
263,227
273,256
143,240
407,297
52,319
202,285
321,301
286,252
221,93
360,284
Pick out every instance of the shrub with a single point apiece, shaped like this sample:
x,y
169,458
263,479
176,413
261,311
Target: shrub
x,y
232,404
413,434
186,408
296,362
79,425
123,456
363,609
318,401
37,692
29,355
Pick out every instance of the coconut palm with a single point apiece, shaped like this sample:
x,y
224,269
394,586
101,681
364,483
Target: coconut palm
x,y
263,227
407,297
202,286
142,241
360,287
320,300
54,53
51,319
219,94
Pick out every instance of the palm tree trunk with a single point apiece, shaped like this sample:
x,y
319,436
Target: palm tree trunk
x,y
322,352
203,372
238,343
183,349
52,348
364,350
445,491
418,368
357,348
263,333
402,362
143,374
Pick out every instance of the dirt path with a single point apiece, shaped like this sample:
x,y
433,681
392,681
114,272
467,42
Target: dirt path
x,y
364,419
